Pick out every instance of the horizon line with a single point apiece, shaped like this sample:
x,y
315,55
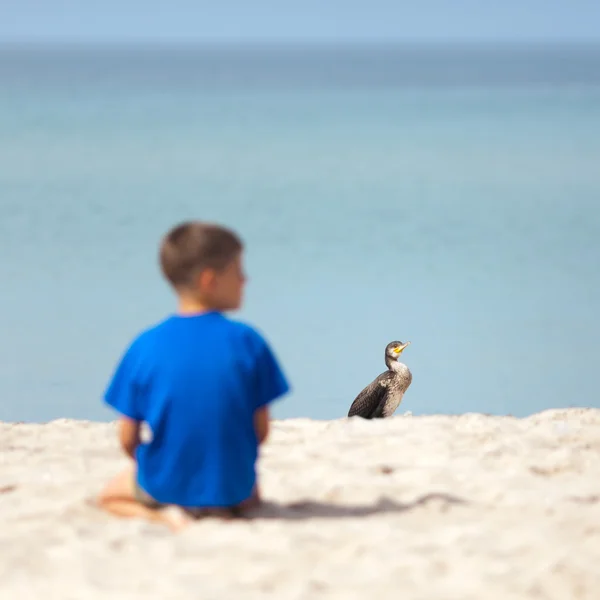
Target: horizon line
x,y
295,42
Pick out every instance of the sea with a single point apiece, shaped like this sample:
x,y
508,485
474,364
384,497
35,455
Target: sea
x,y
447,195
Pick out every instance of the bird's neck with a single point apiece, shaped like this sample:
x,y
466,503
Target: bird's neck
x,y
392,364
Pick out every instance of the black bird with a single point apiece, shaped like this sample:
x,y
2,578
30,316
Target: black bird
x,y
383,395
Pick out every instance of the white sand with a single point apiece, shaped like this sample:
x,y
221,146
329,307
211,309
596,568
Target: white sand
x,y
431,508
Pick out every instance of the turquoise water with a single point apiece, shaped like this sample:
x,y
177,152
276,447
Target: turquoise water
x,y
450,197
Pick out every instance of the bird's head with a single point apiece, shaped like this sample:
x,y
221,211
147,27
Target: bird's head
x,y
395,349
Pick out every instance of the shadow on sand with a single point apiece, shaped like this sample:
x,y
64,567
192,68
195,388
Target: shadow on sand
x,y
311,509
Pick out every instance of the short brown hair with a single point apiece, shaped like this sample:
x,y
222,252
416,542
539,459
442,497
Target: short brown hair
x,y
193,246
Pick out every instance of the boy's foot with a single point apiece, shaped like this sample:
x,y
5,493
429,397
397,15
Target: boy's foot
x,y
175,518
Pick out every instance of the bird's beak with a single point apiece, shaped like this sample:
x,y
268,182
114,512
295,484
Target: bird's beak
x,y
399,349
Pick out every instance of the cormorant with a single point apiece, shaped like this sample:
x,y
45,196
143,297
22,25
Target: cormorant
x,y
383,395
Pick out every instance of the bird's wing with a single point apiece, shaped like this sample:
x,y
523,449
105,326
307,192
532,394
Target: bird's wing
x,y
370,398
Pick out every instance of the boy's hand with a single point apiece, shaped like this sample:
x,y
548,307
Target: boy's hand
x,y
261,423
129,435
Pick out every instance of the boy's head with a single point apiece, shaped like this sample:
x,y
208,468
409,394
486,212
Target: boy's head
x,y
203,263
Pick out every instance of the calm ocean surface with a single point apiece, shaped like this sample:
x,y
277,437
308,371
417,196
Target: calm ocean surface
x,y
447,196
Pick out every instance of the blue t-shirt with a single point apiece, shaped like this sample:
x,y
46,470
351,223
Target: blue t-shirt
x,y
196,381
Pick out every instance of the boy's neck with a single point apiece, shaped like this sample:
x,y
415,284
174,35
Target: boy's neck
x,y
192,306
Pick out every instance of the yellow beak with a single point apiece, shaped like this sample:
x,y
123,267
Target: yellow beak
x,y
399,349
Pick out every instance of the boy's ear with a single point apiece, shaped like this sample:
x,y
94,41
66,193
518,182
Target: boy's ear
x,y
206,279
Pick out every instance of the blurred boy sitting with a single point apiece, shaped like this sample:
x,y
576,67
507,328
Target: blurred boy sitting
x,y
202,382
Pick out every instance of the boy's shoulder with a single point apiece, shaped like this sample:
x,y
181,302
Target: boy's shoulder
x,y
247,332
147,334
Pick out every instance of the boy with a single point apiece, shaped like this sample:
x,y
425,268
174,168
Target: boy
x,y
202,383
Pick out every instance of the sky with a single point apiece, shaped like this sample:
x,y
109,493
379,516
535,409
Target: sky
x,y
299,21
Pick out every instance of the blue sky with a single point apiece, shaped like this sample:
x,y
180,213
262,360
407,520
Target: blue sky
x,y
302,20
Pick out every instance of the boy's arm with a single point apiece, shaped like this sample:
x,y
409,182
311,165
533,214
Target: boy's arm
x,y
261,423
270,385
129,435
124,395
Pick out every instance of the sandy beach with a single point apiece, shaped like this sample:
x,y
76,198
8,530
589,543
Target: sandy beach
x,y
437,507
